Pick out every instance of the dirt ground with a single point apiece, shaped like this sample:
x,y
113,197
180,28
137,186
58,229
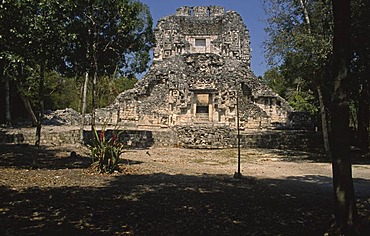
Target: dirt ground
x,y
171,191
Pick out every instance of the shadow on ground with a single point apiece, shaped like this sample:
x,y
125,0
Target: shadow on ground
x,y
162,204
28,157
165,204
317,156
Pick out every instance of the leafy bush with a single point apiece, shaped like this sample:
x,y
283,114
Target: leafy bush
x,y
106,150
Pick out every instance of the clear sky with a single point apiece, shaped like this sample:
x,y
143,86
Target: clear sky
x,y
250,10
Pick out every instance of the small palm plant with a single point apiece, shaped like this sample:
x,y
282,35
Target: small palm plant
x,y
106,150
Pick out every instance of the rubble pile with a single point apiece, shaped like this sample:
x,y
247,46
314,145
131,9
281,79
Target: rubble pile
x,y
66,116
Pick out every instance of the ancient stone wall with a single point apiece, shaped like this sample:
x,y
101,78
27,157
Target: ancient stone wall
x,y
48,136
203,137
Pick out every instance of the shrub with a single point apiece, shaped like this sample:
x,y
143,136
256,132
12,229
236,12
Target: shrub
x,y
106,150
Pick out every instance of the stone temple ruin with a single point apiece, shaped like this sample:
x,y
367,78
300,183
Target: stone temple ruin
x,y
198,86
200,75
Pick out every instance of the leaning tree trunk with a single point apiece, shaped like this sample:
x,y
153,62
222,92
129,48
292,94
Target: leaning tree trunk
x,y
27,104
344,197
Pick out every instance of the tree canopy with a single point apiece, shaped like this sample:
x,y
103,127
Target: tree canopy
x,y
44,44
299,49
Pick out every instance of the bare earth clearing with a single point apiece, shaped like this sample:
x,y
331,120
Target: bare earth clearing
x,y
170,192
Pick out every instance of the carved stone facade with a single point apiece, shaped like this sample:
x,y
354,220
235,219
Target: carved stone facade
x,y
200,75
202,30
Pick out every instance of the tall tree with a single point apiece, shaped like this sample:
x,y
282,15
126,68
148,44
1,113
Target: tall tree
x,y
45,34
110,35
299,42
314,43
324,120
344,198
360,70
10,22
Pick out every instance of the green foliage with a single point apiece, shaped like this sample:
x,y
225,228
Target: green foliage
x,y
64,39
109,88
300,52
276,81
62,92
291,90
125,83
301,101
114,36
106,151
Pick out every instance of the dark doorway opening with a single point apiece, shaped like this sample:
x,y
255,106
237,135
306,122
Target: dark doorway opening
x,y
202,109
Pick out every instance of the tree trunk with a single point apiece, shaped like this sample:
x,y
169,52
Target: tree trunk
x,y
94,93
363,116
40,111
344,197
364,101
8,118
306,16
324,119
83,108
324,123
95,67
27,105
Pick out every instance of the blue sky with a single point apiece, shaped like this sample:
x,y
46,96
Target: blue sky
x,y
250,10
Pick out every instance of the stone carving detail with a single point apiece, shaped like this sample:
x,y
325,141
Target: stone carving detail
x,y
200,75
223,33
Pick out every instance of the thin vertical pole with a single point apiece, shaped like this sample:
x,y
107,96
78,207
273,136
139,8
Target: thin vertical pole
x,y
238,127
238,175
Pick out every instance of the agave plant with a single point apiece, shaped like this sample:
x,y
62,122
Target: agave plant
x,y
106,150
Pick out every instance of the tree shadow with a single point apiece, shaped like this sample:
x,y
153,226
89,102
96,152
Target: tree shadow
x,y
164,204
23,156
317,156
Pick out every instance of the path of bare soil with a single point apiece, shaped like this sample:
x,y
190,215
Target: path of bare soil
x,y
170,191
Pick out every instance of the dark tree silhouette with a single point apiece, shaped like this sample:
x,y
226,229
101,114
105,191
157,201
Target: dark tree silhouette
x,y
344,198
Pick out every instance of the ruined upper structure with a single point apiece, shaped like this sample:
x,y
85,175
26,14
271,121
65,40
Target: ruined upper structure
x,y
200,75
202,30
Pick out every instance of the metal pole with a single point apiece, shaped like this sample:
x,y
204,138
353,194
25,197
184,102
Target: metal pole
x,y
238,127
238,175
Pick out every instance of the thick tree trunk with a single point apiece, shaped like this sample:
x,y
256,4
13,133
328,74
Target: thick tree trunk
x,y
344,198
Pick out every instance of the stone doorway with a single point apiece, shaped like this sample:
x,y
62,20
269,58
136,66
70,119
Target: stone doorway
x,y
203,107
